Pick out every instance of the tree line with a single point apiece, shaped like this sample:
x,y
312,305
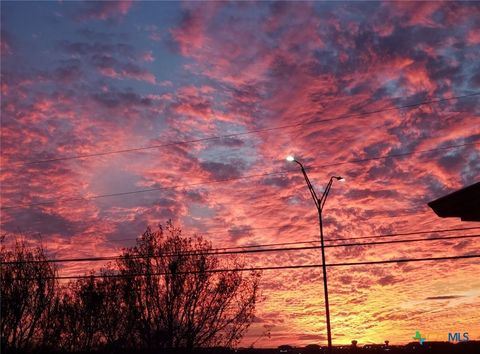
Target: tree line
x,y
160,294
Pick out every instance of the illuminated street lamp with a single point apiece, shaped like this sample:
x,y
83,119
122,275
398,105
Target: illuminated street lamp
x,y
319,203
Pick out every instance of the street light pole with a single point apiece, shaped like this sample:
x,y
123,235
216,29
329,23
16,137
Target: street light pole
x,y
319,203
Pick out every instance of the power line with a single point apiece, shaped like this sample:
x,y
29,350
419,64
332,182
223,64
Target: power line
x,y
317,121
312,241
216,253
252,269
243,229
406,233
20,205
378,215
328,240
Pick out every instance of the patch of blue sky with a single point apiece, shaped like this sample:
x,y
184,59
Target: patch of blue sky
x,y
217,152
42,27
197,210
394,88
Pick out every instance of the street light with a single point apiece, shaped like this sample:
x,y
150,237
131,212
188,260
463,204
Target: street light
x,y
319,203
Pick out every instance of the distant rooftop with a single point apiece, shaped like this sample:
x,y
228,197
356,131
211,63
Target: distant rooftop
x,y
463,204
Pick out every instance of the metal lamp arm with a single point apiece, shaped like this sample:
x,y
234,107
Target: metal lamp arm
x,y
323,199
310,187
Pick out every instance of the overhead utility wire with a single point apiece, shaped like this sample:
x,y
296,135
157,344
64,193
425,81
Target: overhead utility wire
x,y
215,253
98,196
216,137
252,269
379,214
312,241
243,229
335,240
406,233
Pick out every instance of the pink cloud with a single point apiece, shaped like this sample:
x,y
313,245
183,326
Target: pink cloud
x,y
473,37
5,45
147,56
418,14
122,74
104,10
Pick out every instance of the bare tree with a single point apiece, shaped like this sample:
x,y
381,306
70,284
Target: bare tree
x,y
92,313
168,291
28,300
80,306
176,299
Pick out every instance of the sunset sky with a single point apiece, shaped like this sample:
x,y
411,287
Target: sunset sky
x,y
88,78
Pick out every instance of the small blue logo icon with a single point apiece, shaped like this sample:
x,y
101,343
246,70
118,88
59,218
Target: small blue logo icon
x,y
418,337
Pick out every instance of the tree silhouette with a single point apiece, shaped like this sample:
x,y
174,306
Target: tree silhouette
x,y
168,291
178,302
28,301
